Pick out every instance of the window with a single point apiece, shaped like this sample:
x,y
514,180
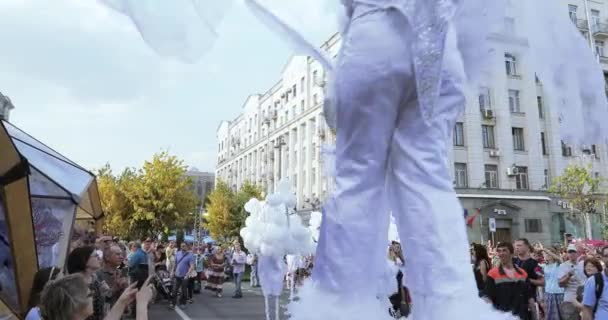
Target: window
x,y
547,180
595,20
594,151
302,84
314,100
460,175
543,143
521,178
539,103
313,177
599,48
491,176
313,152
487,133
295,90
518,139
293,112
484,99
302,107
533,225
314,76
514,104
510,64
566,150
572,10
459,134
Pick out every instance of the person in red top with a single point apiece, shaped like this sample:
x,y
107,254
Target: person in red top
x,y
506,286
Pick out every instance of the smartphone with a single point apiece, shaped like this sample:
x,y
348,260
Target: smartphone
x,y
141,275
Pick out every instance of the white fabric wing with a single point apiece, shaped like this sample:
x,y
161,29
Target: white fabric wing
x,y
572,79
474,22
182,29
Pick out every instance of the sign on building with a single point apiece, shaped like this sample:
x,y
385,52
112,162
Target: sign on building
x,y
492,224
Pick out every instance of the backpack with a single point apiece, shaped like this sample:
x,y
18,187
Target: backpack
x,y
599,288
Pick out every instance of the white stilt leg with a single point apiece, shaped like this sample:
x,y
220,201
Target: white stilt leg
x,y
266,308
292,285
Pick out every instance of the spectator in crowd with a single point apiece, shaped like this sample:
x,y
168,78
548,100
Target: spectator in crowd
x,y
481,266
184,266
160,258
199,262
252,260
170,253
148,248
595,295
69,298
524,260
554,294
571,276
84,261
111,275
239,259
138,259
507,288
215,272
41,278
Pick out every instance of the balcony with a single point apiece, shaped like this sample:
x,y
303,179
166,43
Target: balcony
x,y
600,30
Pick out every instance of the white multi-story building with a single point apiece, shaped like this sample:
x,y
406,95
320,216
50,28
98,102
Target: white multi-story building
x,y
507,146
5,107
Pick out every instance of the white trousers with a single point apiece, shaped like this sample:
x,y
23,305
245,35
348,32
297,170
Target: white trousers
x,y
388,158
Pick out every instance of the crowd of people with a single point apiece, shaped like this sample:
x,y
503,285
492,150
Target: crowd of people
x,y
534,282
107,278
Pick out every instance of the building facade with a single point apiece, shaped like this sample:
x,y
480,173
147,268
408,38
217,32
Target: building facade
x,y
506,145
203,183
5,107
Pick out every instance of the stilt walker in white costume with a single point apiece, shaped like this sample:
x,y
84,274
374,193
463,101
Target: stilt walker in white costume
x,y
273,231
397,88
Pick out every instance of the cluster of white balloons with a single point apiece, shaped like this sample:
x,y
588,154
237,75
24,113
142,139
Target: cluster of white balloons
x,y
273,229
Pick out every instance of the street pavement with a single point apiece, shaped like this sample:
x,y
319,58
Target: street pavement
x,y
207,307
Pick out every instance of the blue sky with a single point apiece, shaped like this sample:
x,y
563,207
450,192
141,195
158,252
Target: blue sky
x,y
84,82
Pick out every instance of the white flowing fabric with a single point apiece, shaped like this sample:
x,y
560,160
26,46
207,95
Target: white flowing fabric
x,y
571,76
181,29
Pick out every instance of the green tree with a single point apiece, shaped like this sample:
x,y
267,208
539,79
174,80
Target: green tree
x,y
226,212
219,210
581,190
163,197
116,206
155,199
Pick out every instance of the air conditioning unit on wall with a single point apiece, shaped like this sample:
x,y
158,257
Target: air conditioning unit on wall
x,y
512,171
494,153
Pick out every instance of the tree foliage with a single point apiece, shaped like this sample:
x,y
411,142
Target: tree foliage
x,y
226,212
154,199
581,190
